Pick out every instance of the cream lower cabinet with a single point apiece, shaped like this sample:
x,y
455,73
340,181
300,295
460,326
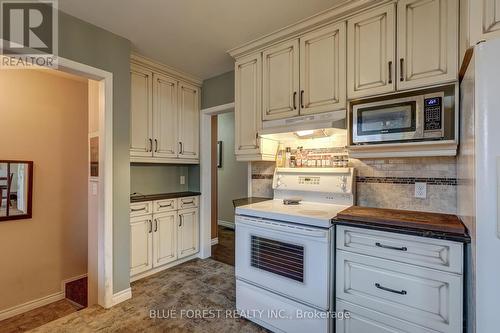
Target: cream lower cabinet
x,y
164,122
161,234
389,282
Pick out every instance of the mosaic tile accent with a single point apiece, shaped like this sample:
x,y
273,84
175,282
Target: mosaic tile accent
x,y
407,180
259,176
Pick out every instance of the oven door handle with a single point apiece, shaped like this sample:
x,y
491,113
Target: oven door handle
x,y
264,224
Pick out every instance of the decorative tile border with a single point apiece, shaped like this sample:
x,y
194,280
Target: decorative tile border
x,y
260,176
407,180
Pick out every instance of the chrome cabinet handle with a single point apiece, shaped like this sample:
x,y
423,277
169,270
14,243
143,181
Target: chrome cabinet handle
x,y
295,100
165,206
150,145
180,148
150,226
156,225
188,202
156,145
399,292
390,72
401,72
137,209
180,220
257,140
403,248
302,99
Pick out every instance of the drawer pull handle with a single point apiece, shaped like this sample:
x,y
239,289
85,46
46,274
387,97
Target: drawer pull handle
x,y
391,247
165,206
138,209
402,292
188,202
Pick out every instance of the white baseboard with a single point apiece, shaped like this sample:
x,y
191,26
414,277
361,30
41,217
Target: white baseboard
x,y
215,241
121,296
25,307
226,224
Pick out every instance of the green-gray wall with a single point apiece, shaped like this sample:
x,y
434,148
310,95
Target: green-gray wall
x,y
218,90
157,178
93,46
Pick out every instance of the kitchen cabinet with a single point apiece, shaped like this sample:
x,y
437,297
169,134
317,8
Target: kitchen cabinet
x,y
141,112
162,234
187,232
481,20
141,241
371,38
394,282
164,115
248,112
280,85
323,70
427,42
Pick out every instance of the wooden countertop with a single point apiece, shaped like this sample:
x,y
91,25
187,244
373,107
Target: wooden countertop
x,y
443,226
248,201
162,196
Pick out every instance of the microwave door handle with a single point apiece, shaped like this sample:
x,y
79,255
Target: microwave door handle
x,y
288,230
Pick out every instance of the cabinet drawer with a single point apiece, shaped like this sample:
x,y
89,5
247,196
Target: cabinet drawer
x,y
141,208
359,319
167,205
419,295
188,202
427,252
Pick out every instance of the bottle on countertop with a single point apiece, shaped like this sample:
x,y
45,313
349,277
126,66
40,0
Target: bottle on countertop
x,y
279,156
298,158
288,155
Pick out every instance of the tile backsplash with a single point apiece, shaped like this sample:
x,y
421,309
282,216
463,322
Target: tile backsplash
x,y
389,183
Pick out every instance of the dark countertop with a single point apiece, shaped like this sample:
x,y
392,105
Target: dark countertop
x,y
161,196
248,201
432,225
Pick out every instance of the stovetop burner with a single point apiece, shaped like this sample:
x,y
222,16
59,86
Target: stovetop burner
x,y
291,201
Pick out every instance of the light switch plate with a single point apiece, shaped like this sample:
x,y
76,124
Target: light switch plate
x,y
183,180
421,190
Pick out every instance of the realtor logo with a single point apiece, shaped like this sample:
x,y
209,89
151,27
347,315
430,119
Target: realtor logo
x,y
28,33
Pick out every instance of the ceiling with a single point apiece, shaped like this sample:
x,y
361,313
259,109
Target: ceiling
x,y
192,35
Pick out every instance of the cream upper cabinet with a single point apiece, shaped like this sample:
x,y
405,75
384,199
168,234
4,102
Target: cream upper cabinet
x,y
188,233
323,70
189,120
248,79
427,42
165,117
165,238
141,112
280,84
483,20
371,50
141,256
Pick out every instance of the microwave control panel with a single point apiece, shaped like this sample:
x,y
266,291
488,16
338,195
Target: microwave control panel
x,y
433,113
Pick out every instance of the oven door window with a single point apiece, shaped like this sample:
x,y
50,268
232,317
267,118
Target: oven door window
x,y
394,118
280,258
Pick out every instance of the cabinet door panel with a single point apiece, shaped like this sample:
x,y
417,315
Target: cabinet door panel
x,y
141,112
189,120
323,70
248,107
140,244
188,234
165,117
281,81
371,50
165,238
427,42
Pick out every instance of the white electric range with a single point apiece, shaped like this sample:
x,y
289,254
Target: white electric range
x,y
284,252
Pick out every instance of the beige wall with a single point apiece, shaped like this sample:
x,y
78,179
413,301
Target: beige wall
x,y
43,118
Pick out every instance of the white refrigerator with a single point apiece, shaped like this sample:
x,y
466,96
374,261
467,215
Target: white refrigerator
x,y
478,169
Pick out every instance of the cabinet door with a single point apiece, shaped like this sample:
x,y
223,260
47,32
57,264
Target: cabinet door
x,y
165,117
427,42
189,121
141,112
164,238
187,233
280,84
371,51
141,256
323,70
485,20
248,107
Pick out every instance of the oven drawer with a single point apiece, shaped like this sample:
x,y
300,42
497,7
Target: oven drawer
x,y
422,296
362,320
188,202
268,310
427,252
167,205
141,208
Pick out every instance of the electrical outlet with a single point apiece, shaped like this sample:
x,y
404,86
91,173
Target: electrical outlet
x,y
183,180
421,190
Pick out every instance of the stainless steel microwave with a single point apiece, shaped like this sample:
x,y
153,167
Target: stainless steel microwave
x,y
410,118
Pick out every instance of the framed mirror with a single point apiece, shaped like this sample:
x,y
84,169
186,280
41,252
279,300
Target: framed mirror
x,y
16,190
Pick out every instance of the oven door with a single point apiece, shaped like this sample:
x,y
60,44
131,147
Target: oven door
x,y
285,258
389,120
